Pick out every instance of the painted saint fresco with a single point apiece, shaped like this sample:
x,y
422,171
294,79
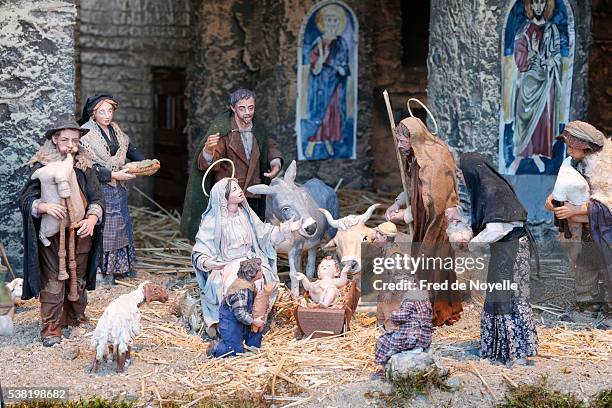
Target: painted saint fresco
x,y
537,61
326,111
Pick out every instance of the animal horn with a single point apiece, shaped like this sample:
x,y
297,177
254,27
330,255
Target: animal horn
x,y
330,218
366,215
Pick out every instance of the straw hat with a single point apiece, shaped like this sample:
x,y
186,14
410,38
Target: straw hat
x,y
387,228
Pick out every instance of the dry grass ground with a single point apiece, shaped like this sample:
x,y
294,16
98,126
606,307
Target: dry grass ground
x,y
170,365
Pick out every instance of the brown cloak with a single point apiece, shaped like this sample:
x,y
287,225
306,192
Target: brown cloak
x,y
431,173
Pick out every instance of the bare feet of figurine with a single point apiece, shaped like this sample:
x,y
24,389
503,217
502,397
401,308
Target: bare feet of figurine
x,y
330,148
310,149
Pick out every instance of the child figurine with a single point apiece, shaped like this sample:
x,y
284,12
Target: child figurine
x,y
325,290
414,321
235,313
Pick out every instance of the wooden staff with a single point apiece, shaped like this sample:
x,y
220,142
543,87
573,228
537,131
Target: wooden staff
x,y
61,253
400,160
73,294
6,261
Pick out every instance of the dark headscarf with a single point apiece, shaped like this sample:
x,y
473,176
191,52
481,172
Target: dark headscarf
x,y
492,198
91,104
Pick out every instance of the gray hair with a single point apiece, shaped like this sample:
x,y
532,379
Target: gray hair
x,y
240,95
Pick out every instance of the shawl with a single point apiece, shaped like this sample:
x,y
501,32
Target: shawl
x,y
48,153
492,198
598,172
95,145
436,174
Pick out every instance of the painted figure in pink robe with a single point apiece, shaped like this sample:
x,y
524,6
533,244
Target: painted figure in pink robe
x,y
537,53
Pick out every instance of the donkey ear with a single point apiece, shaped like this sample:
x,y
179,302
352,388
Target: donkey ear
x,y
290,172
261,189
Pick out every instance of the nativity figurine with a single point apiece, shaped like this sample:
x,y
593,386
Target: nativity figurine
x,y
325,291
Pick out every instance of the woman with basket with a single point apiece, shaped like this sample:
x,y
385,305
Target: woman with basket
x,y
110,148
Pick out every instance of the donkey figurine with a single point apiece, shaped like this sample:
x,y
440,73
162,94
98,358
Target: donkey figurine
x,y
285,200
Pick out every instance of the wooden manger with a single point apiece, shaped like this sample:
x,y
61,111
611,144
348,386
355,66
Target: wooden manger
x,y
316,322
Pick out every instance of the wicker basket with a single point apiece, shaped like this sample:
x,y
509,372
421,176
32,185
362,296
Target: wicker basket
x,y
143,168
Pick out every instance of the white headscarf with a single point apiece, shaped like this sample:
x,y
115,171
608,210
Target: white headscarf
x,y
208,238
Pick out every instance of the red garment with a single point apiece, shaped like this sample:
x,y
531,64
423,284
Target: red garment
x,y
541,140
331,126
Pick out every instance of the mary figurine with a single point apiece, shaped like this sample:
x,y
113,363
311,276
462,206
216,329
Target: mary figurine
x,y
229,233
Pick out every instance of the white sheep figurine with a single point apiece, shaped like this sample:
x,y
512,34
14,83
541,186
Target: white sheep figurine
x,y
57,182
571,187
120,323
15,289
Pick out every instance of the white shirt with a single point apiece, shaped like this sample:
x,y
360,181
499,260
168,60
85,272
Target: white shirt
x,y
493,232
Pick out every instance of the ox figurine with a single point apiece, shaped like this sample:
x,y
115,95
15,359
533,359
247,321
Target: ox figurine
x,y
352,231
285,200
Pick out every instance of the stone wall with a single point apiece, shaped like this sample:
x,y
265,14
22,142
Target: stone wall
x,y
120,42
37,78
402,81
253,44
464,89
600,67
465,70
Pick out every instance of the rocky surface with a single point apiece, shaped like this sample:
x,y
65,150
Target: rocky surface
x,y
239,45
120,42
464,85
413,362
37,77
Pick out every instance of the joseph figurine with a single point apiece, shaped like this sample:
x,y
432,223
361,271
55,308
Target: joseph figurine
x,y
234,134
431,177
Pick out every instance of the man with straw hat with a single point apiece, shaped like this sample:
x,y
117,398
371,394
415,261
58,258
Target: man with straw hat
x,y
41,266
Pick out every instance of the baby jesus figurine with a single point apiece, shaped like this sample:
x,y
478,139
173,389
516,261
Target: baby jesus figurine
x,y
325,290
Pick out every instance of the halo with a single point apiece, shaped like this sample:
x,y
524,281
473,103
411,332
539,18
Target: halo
x,y
428,112
213,165
341,16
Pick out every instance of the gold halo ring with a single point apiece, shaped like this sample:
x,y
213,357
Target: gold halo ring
x,y
335,9
213,165
426,109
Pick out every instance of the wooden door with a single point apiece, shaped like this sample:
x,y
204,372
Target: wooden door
x,y
170,140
